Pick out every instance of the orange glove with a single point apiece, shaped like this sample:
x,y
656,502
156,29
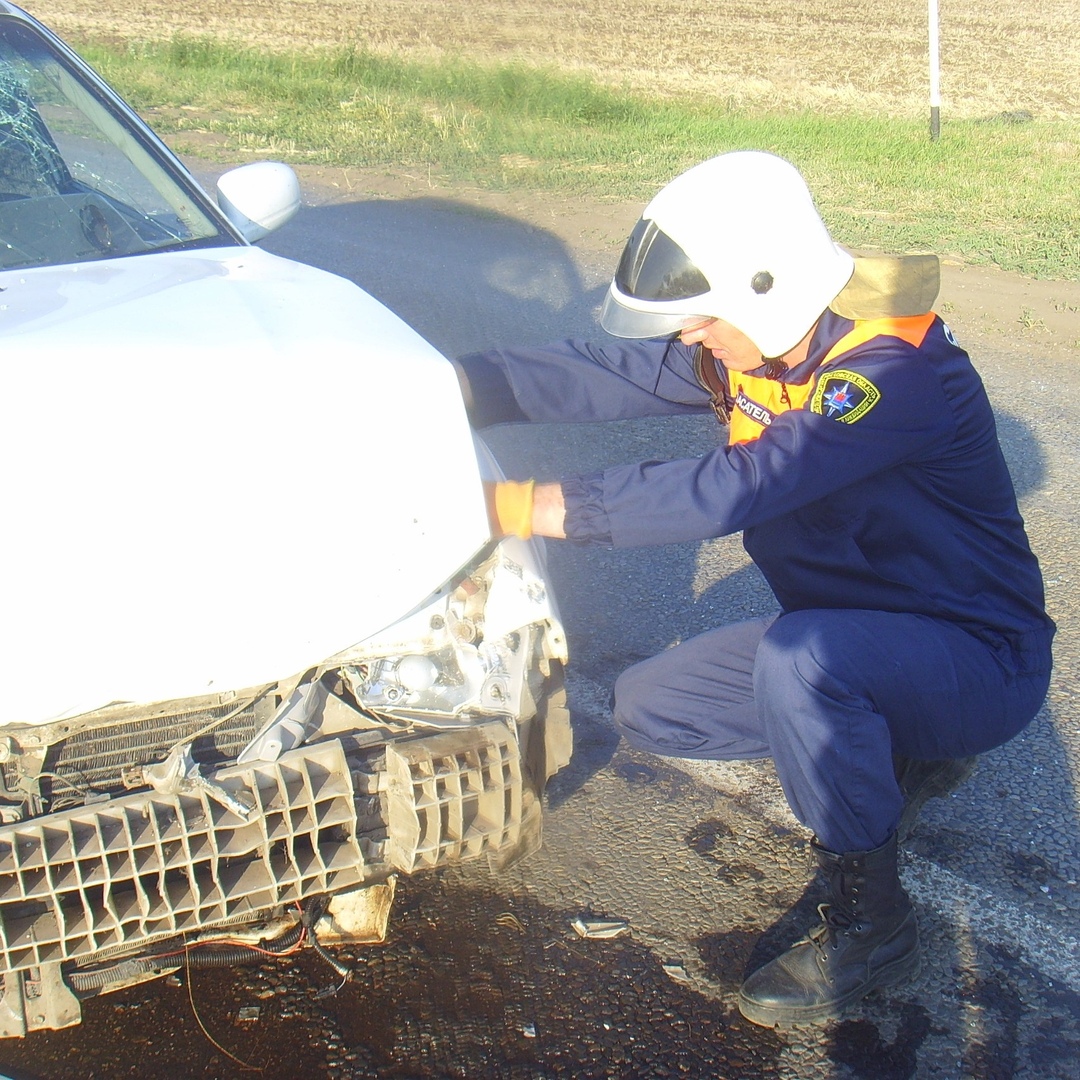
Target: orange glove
x,y
510,507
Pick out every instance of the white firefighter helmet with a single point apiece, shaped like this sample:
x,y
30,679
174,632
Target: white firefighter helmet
x,y
735,238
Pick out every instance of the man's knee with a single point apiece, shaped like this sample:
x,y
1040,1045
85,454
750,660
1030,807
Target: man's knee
x,y
689,701
637,704
806,654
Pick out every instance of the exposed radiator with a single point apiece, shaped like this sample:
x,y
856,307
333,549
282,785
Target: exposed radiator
x,y
95,758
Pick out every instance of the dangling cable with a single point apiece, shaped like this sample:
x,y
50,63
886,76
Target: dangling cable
x,y
309,917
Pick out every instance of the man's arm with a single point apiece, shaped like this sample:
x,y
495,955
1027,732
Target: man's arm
x,y
579,381
803,456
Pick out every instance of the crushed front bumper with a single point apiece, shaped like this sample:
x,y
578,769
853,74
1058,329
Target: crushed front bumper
x,y
248,845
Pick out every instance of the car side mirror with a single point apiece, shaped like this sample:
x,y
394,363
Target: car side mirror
x,y
258,198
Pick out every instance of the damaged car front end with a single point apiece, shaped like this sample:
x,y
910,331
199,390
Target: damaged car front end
x,y
262,655
134,832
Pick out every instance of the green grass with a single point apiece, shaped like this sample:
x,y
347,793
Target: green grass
x,y
999,192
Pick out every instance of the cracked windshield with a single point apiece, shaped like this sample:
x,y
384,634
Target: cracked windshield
x,y
76,183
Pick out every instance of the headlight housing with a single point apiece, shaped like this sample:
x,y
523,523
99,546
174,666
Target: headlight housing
x,y
467,652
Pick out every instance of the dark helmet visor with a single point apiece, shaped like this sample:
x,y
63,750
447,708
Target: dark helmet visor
x,y
654,267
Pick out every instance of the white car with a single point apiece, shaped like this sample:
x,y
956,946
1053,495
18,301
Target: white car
x,y
260,655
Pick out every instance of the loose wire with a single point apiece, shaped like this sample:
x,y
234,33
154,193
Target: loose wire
x,y
198,1019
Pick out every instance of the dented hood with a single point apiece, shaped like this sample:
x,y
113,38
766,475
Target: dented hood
x,y
218,468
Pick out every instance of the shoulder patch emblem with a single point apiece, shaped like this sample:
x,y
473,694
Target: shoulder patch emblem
x,y
844,395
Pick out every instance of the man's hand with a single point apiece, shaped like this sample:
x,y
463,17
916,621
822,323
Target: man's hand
x,y
525,509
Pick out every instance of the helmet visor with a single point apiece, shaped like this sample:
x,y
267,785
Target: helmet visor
x,y
621,320
654,267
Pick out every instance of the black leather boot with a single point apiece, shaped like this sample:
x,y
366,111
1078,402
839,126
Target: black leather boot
x,y
922,780
868,937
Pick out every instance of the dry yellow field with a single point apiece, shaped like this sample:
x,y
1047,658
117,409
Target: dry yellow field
x,y
996,56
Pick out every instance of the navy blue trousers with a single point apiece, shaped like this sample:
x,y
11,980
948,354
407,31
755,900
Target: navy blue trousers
x,y
830,696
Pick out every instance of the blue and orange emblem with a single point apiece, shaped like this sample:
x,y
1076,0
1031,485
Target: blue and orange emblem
x,y
843,395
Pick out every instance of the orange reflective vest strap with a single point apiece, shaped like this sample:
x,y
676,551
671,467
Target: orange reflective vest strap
x,y
912,329
758,401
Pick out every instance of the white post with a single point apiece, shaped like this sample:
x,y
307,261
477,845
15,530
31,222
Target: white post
x,y
935,73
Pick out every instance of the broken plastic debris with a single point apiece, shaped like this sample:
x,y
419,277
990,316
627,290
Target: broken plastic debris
x,y
600,928
179,774
676,972
528,1030
248,1013
360,915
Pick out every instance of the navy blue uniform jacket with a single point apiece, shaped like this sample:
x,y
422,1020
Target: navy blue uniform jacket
x,y
879,485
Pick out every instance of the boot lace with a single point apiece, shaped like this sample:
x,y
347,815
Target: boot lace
x,y
834,922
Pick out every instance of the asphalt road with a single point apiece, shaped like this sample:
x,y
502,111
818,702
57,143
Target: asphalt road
x,y
483,976
701,858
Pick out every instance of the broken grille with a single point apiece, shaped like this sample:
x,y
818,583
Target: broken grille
x,y
457,796
150,865
116,875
